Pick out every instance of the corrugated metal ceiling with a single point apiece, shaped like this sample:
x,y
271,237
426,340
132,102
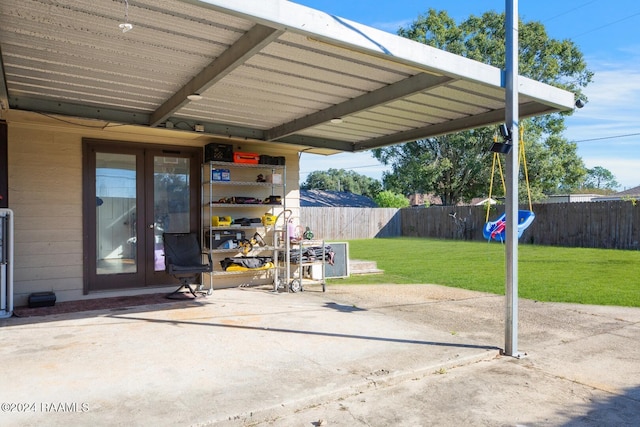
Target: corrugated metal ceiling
x,y
268,70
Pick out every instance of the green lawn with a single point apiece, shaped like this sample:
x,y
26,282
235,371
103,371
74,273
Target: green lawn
x,y
578,275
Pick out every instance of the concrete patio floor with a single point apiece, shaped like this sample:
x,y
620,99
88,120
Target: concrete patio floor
x,y
355,355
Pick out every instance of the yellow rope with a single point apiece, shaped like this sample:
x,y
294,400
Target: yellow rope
x,y
493,169
521,155
504,186
524,162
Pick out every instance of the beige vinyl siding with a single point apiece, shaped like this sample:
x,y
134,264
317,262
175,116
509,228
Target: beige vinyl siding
x,y
45,193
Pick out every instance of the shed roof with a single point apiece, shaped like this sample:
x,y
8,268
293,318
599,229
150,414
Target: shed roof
x,y
634,191
268,70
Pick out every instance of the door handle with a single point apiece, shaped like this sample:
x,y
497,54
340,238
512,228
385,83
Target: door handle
x,y
151,226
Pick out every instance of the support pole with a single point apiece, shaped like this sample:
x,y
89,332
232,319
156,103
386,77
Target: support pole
x,y
6,263
512,173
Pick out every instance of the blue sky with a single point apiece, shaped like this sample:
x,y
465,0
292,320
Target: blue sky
x,y
607,129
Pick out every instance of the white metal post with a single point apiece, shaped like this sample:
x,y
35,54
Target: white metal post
x,y
6,263
512,172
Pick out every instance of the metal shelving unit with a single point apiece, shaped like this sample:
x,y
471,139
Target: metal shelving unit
x,y
218,199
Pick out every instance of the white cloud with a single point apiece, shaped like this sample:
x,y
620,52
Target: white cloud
x,y
612,113
613,89
615,83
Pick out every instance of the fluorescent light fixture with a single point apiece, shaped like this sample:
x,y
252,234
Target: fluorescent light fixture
x,y
194,97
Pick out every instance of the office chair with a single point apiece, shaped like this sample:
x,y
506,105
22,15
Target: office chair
x,y
183,260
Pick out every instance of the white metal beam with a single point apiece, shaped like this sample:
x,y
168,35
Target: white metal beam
x,y
465,123
247,45
414,84
337,31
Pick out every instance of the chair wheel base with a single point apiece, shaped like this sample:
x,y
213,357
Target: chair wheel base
x,y
185,295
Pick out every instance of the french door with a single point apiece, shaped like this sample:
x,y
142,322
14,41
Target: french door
x,y
133,194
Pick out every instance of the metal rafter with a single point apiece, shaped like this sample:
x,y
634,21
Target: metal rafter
x,y
465,123
244,48
4,93
323,143
414,84
44,71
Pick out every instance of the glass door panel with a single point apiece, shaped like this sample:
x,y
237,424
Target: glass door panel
x,y
132,195
116,213
171,201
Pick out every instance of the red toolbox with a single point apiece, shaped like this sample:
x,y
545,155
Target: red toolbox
x,y
249,158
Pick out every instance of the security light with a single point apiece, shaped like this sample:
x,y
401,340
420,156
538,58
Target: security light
x,y
505,146
501,147
504,131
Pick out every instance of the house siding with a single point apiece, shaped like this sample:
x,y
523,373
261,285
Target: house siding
x,y
45,192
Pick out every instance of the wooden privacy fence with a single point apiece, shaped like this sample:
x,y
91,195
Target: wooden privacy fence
x,y
444,222
351,223
608,225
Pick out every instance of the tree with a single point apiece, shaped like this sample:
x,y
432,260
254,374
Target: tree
x,y
389,199
600,178
453,166
457,167
341,180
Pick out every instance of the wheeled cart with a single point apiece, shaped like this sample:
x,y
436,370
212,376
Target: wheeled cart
x,y
281,254
300,259
309,257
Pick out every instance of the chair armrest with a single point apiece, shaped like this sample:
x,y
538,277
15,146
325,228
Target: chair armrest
x,y
210,261
167,262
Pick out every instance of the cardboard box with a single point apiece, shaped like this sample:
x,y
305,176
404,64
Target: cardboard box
x,y
275,178
223,239
220,175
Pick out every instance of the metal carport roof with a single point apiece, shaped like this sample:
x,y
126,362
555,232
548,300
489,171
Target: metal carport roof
x,y
268,70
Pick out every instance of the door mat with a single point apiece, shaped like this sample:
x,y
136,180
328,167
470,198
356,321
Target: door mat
x,y
100,304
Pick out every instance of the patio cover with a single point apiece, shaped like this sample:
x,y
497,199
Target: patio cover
x,y
268,70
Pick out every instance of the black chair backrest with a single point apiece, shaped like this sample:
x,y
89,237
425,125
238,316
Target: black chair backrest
x,y
182,249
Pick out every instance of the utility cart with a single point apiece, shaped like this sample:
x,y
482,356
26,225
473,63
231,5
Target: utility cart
x,y
309,257
281,256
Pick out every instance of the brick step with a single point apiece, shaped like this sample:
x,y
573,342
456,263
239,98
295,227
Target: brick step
x,y
357,267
